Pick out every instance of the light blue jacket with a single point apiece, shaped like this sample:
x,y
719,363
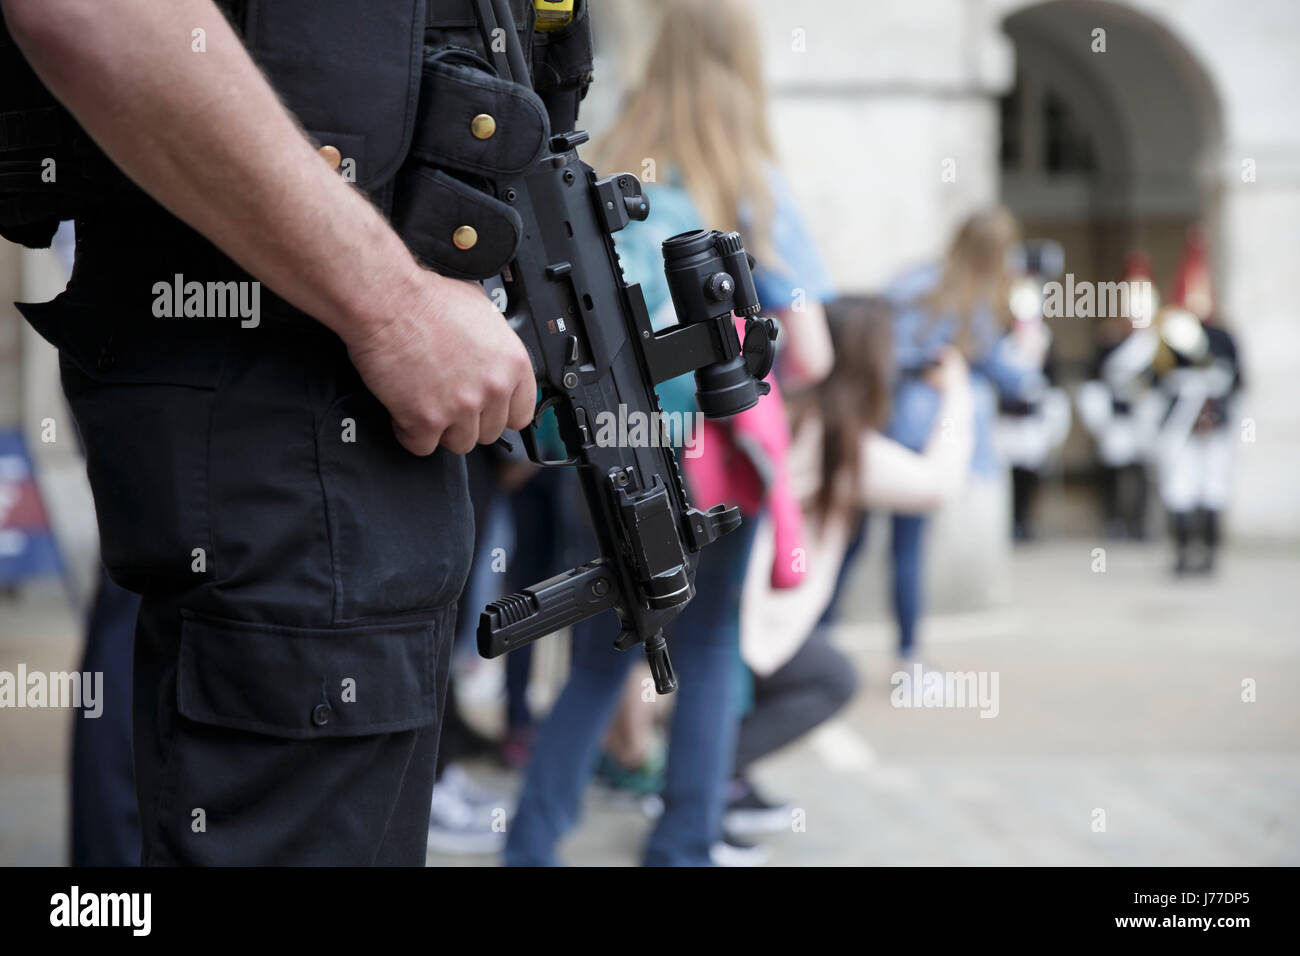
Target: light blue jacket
x,y
801,272
995,369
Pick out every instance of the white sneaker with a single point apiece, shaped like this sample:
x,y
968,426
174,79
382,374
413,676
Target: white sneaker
x,y
652,805
471,791
457,826
730,851
749,812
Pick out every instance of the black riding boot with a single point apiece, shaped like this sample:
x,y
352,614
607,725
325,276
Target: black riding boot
x,y
1181,523
1210,529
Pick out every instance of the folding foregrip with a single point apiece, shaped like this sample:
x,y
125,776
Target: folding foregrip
x,y
545,608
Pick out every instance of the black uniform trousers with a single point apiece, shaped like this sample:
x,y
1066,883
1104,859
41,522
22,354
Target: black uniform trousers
x,y
298,572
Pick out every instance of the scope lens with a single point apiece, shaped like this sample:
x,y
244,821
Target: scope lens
x,y
725,388
687,244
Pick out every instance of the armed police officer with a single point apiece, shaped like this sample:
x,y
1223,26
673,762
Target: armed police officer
x,y
287,494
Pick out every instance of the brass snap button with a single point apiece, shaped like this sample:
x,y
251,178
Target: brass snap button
x,y
331,155
464,237
482,126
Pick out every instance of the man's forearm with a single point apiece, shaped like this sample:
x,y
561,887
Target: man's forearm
x,y
206,136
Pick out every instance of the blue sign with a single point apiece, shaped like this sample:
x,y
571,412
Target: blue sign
x,y
27,545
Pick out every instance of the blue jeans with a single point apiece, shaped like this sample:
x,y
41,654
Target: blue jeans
x,y
857,541
539,508
905,545
705,646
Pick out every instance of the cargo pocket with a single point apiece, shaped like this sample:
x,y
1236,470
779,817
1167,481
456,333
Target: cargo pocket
x,y
141,392
305,683
400,526
293,744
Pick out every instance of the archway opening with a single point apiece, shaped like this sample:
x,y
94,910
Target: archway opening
x,y
1110,140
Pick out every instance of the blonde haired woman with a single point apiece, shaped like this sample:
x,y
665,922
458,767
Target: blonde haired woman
x,y
963,301
699,116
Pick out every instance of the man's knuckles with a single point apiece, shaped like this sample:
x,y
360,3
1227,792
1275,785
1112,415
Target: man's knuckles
x,y
419,443
460,440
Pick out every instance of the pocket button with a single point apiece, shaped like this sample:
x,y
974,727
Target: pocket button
x,y
465,237
331,155
320,715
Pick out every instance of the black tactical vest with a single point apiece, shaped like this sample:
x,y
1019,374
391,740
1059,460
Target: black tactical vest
x,y
375,79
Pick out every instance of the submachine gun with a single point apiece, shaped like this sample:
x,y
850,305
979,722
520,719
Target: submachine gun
x,y
594,351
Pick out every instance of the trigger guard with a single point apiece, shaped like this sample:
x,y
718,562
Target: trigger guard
x,y
530,440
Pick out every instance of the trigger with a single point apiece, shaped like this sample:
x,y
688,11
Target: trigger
x,y
541,408
530,439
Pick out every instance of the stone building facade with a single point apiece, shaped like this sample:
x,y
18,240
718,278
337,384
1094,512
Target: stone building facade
x,y
895,120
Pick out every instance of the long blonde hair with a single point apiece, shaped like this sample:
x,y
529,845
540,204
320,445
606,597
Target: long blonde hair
x,y
975,273
701,109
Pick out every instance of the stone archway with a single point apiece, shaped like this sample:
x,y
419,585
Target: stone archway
x,y
1111,137
1118,123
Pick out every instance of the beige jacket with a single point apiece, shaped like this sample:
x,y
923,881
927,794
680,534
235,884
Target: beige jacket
x,y
775,623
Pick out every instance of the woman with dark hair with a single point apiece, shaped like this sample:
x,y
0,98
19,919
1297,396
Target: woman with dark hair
x,y
841,466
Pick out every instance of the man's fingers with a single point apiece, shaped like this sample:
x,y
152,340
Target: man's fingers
x,y
417,443
461,437
492,421
522,403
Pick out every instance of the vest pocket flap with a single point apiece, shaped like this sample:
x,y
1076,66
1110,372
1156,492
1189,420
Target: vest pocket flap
x,y
470,120
452,227
351,66
351,148
304,683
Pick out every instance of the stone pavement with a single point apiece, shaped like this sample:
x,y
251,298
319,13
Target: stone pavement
x,y
1118,691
